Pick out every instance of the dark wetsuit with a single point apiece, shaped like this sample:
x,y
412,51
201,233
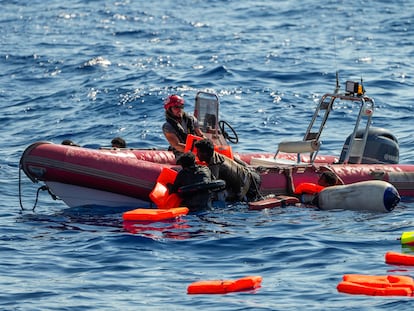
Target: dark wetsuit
x,y
241,182
191,175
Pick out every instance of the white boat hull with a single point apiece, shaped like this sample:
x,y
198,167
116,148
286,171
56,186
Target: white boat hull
x,y
76,196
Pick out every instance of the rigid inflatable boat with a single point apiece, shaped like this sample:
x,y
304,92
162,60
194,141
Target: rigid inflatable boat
x,y
125,177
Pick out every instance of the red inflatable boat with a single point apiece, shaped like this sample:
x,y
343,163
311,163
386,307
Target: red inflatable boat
x,y
125,177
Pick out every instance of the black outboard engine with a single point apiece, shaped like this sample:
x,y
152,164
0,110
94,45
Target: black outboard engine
x,y
381,148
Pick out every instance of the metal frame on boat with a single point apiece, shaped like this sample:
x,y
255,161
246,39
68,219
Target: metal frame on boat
x,y
354,151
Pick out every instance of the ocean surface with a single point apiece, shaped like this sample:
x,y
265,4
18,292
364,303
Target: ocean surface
x,y
92,70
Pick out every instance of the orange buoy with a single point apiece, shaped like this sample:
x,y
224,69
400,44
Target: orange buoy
x,y
145,214
407,238
372,285
224,286
399,259
308,188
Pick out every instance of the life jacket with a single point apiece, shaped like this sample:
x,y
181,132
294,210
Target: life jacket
x,y
225,286
308,188
179,130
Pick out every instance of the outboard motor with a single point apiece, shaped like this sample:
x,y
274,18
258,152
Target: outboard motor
x,y
381,148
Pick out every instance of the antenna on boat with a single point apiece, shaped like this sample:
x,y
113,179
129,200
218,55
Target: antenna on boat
x,y
337,87
362,90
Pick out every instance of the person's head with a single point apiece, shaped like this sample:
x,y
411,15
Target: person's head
x,y
118,142
205,149
186,160
327,179
174,105
68,142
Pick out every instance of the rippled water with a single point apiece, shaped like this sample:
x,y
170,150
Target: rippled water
x,y
92,71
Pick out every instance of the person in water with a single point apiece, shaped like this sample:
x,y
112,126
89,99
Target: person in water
x,y
118,142
69,142
326,179
190,174
178,124
242,183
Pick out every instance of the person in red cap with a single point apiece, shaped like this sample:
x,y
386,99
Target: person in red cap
x,y
178,124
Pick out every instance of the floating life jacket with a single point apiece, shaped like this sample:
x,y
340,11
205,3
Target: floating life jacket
x,y
399,259
224,286
147,214
383,285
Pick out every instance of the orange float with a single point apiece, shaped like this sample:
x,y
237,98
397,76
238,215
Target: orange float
x,y
224,286
145,214
308,188
395,258
383,285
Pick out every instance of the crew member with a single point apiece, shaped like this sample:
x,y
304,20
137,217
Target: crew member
x,y
178,124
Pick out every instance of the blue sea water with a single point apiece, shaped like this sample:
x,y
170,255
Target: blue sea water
x,y
92,70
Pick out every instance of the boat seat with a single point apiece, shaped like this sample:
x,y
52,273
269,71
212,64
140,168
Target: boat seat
x,y
297,147
210,122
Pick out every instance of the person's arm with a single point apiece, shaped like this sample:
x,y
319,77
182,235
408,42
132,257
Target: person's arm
x,y
197,128
174,141
178,182
240,161
199,132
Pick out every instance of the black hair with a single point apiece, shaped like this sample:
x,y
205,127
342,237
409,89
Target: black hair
x,y
206,146
186,160
68,142
330,178
118,142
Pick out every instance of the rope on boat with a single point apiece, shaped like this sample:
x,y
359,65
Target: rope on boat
x,y
257,187
43,188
